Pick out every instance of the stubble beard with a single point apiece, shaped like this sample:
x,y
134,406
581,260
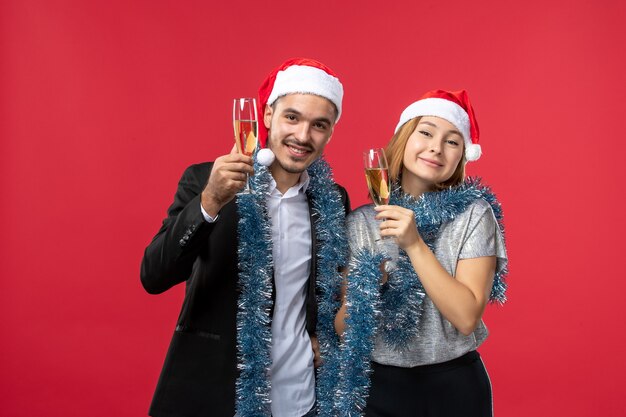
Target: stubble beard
x,y
287,168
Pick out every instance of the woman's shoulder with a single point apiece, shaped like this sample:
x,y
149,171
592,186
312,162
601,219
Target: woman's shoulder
x,y
480,205
483,201
362,227
362,211
361,214
477,211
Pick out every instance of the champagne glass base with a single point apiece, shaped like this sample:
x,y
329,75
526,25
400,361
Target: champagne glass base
x,y
246,189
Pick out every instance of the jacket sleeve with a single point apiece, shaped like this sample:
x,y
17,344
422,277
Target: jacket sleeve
x,y
169,258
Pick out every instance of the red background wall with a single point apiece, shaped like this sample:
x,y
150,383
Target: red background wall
x,y
103,104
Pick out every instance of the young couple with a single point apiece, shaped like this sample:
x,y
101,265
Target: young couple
x,y
291,309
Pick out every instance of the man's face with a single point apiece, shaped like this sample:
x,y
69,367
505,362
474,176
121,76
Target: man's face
x,y
300,126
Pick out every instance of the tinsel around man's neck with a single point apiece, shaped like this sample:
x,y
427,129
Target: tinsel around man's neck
x,y
256,276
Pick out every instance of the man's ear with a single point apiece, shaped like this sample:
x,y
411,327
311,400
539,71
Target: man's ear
x,y
332,130
267,116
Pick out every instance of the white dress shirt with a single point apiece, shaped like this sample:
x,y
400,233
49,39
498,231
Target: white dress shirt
x,y
292,373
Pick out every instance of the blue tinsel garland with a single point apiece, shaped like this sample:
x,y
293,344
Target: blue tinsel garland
x,y
395,308
364,307
255,279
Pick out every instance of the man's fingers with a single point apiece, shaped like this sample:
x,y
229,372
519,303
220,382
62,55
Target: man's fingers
x,y
235,176
238,158
241,167
234,166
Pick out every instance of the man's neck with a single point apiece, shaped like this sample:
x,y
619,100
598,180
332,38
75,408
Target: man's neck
x,y
284,180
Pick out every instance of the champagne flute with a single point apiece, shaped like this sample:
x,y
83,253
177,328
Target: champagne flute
x,y
246,130
377,175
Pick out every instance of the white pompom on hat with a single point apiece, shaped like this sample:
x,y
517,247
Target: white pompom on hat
x,y
455,107
265,157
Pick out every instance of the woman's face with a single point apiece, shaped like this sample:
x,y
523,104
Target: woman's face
x,y
432,153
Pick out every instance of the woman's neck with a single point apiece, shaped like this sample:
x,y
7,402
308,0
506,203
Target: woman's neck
x,y
415,186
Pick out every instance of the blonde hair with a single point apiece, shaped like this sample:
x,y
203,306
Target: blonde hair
x,y
395,156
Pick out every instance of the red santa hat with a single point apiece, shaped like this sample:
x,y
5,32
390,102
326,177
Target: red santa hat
x,y
455,107
298,75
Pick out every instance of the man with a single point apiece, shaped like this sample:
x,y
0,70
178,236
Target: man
x,y
256,266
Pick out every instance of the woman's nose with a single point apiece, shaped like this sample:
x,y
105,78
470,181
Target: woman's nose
x,y
435,146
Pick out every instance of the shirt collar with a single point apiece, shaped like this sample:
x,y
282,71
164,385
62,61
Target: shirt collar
x,y
300,187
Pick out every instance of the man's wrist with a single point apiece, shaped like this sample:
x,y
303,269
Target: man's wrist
x,y
209,205
207,216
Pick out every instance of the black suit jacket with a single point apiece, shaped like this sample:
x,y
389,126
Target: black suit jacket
x,y
200,370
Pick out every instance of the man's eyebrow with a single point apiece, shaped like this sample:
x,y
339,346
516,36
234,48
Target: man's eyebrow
x,y
292,110
323,120
296,112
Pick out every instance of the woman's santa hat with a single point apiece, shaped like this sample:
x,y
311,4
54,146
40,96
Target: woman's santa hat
x,y
296,76
455,107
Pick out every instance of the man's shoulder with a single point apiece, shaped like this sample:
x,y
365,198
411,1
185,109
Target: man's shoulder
x,y
198,170
200,167
341,188
344,197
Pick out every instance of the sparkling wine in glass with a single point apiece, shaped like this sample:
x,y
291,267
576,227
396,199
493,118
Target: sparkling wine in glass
x,y
377,175
246,131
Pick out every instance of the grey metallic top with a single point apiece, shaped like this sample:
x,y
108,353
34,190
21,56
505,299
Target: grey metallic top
x,y
472,234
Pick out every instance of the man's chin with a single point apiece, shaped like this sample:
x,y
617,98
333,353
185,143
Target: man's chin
x,y
294,167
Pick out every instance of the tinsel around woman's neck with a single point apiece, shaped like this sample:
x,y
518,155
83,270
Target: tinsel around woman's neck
x,y
394,309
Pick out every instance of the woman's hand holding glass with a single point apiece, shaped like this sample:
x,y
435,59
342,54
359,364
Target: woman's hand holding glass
x,y
399,223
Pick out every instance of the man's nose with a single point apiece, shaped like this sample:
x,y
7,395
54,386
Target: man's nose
x,y
303,131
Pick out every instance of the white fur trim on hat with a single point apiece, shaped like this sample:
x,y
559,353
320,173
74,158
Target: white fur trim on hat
x,y
446,109
304,79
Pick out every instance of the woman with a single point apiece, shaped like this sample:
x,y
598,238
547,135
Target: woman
x,y
411,321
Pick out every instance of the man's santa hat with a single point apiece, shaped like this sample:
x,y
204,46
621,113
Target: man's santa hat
x,y
296,76
455,107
